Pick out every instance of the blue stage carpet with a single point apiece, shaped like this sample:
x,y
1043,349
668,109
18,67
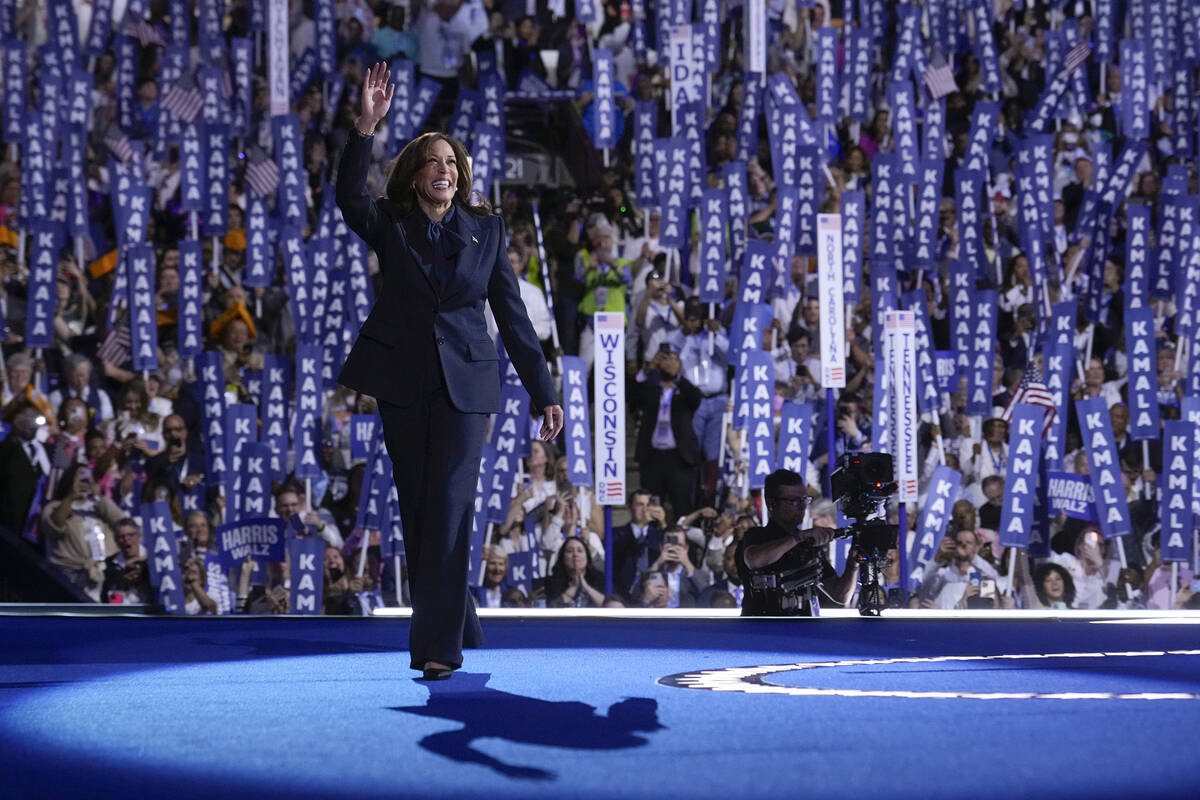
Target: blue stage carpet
x,y
264,708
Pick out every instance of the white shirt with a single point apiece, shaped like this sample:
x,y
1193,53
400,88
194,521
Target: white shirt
x,y
535,308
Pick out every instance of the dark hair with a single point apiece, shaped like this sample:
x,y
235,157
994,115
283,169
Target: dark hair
x,y
404,167
559,580
636,492
1039,577
777,480
66,483
796,333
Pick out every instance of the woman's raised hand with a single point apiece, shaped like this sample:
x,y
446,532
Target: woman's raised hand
x,y
376,96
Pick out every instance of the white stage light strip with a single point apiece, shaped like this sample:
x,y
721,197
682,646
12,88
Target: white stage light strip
x,y
751,680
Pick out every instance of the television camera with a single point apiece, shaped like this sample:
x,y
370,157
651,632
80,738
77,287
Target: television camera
x,y
862,485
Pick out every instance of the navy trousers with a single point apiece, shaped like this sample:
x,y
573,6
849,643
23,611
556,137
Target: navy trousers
x,y
435,452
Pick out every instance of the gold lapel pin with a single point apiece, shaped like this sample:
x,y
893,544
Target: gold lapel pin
x,y
473,239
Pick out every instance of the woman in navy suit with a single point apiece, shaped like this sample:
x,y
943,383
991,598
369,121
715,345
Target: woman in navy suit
x,y
425,355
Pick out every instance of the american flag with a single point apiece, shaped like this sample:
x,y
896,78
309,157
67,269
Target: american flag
x,y
185,104
115,348
1032,391
940,81
262,173
1076,56
118,143
143,31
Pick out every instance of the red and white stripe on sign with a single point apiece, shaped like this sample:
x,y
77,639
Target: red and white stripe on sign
x,y
837,373
614,490
910,487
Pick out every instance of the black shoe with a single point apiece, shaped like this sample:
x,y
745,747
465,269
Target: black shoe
x,y
436,674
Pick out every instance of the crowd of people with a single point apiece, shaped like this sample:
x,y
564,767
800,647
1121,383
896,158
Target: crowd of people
x,y
89,438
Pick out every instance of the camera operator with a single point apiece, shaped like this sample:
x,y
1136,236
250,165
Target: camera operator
x,y
765,547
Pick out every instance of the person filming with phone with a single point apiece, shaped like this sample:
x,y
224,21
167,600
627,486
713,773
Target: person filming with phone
x,y
967,576
772,557
679,574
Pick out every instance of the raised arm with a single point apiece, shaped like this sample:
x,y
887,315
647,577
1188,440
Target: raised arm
x,y
360,209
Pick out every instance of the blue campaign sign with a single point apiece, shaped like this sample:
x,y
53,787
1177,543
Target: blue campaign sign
x,y
191,299
576,427
362,435
42,300
786,224
210,367
166,575
507,431
1143,373
883,175
191,159
290,204
645,128
320,265
935,513
795,437
1071,494
377,482
747,130
260,255
673,231
218,178
1020,481
927,383
217,586
261,539
933,133
273,412
325,35
307,556
734,176
968,186
254,480
1135,94
605,108
885,295
143,316
828,89
486,141
810,193
904,128
713,252
853,205
520,570
1175,506
947,371
400,124
16,88
983,349
479,519
756,271
1105,467
241,427
859,60
760,384
306,435
750,322
929,201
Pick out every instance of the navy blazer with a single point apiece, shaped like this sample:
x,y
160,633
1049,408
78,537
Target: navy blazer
x,y
418,325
